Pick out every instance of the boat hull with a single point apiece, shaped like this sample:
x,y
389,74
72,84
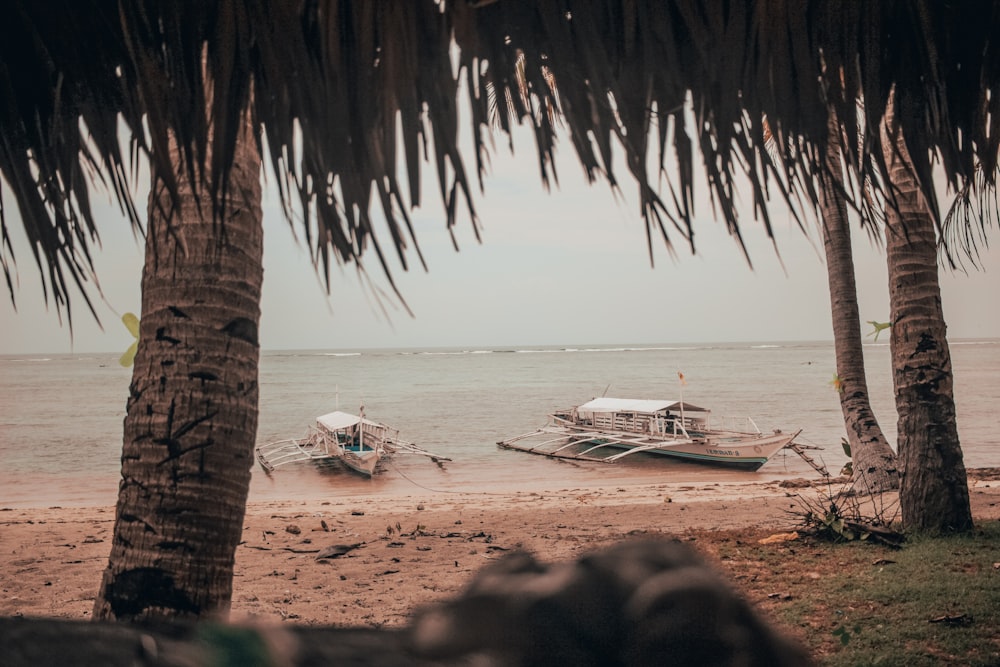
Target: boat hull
x,y
364,462
727,449
747,453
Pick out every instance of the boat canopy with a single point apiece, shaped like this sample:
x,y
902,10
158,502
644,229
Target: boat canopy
x,y
636,405
335,421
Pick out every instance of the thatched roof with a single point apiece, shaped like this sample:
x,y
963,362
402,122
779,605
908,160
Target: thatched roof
x,y
368,82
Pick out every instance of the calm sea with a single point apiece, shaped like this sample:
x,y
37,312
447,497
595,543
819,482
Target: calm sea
x,y
61,415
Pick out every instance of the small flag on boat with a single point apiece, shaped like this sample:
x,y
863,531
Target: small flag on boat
x,y
680,376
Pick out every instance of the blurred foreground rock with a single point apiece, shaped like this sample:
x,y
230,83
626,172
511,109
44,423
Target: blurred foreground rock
x,y
635,603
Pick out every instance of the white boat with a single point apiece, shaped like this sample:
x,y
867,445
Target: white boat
x,y
357,442
609,429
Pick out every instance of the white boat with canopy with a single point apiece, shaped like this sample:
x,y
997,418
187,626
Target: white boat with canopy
x,y
357,442
609,429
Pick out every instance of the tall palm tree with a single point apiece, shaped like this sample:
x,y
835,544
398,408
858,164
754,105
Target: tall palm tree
x,y
191,417
934,491
343,91
875,467
874,463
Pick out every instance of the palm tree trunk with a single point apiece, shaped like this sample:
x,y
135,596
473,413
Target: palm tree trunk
x,y
934,491
874,462
191,418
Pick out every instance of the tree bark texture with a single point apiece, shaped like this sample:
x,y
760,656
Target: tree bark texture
x,y
934,491
191,420
874,462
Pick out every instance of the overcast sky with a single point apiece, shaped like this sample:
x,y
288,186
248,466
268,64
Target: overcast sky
x,y
568,267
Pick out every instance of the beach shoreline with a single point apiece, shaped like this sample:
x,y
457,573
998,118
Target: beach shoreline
x,y
402,552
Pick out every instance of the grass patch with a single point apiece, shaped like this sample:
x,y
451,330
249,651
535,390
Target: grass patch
x,y
933,602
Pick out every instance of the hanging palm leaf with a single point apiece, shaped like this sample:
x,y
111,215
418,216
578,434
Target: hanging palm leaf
x,y
347,93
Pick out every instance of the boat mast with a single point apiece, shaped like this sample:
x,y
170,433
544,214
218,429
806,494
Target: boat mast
x,y
681,382
361,429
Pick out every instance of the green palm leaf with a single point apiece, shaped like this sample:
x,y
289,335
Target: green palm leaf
x,y
131,323
878,327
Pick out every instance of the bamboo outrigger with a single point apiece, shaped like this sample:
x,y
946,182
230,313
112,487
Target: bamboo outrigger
x,y
609,429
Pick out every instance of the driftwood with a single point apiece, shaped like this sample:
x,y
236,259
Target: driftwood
x,y
636,603
876,533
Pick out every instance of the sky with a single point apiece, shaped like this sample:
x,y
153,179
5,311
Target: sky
x,y
566,267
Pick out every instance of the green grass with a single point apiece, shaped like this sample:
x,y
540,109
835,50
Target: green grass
x,y
865,612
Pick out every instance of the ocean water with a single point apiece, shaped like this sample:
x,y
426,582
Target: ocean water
x,y
61,415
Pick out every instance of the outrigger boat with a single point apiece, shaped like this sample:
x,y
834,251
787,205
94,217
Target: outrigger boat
x,y
358,443
609,429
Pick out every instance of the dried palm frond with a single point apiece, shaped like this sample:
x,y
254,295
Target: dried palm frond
x,y
975,209
348,93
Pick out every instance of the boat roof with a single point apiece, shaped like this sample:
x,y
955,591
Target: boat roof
x,y
639,405
337,420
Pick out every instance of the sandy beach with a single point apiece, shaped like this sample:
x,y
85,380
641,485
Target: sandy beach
x,y
400,553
